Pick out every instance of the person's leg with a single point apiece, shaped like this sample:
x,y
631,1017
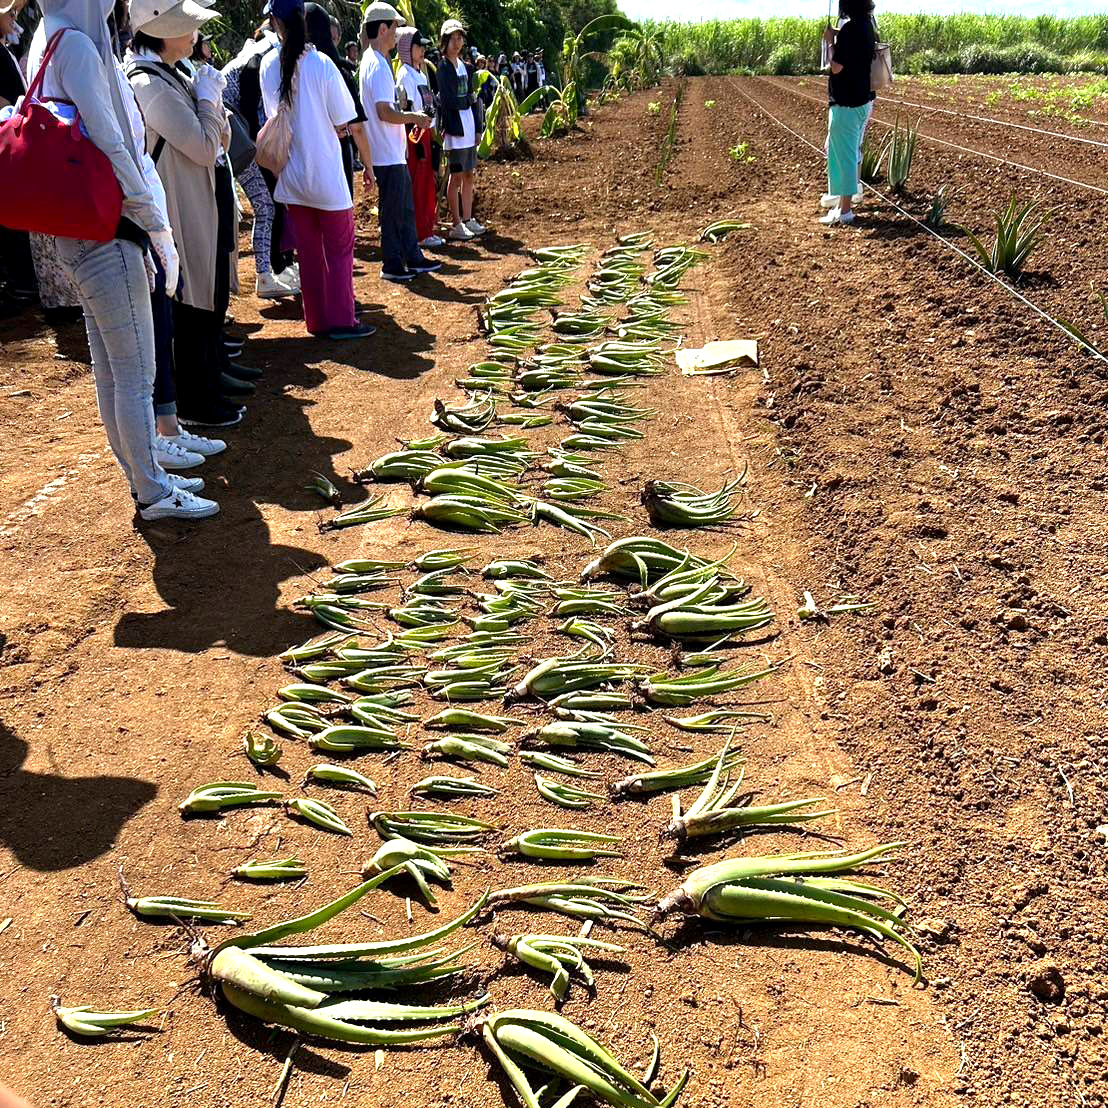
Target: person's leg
x,y
842,154
862,134
409,235
337,237
389,210
165,395
110,279
253,184
423,186
16,265
454,197
467,196
347,145
313,267
196,362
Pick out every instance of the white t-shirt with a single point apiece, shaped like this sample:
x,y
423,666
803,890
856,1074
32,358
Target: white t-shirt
x,y
468,137
388,142
314,176
415,92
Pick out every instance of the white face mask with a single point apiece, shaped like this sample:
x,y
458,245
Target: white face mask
x,y
14,35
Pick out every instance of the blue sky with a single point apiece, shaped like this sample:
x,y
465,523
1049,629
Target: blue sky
x,y
735,9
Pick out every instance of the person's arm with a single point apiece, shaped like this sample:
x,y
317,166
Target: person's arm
x,y
387,113
361,141
83,79
384,103
844,49
197,135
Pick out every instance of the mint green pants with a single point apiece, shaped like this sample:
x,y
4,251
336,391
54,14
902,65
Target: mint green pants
x,y
845,128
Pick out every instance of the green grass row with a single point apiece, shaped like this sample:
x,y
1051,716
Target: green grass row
x,y
921,44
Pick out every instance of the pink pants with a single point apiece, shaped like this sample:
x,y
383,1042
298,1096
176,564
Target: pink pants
x,y
325,250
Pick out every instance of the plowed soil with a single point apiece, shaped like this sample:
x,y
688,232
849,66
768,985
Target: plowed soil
x,y
915,436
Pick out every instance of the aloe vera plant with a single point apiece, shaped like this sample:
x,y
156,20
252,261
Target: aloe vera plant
x,y
792,887
1020,231
714,811
555,1046
559,955
900,152
290,986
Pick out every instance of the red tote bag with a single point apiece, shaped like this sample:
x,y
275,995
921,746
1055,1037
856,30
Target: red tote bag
x,y
54,179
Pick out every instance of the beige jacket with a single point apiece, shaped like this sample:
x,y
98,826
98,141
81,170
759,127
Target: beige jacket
x,y
195,133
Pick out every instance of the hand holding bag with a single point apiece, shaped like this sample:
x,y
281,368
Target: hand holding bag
x,y
55,180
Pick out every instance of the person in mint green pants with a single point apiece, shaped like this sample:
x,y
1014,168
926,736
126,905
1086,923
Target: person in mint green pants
x,y
851,101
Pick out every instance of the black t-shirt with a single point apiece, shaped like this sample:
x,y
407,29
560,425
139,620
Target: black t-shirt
x,y
854,46
11,79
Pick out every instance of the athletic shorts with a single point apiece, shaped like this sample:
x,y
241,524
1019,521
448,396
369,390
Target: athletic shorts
x,y
463,160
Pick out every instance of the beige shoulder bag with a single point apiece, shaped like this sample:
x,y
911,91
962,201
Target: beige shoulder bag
x,y
273,146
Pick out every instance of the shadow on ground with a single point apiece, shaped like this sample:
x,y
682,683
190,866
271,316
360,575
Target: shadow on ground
x,y
220,580
52,823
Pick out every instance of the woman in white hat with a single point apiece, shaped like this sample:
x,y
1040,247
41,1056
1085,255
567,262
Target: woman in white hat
x,y
458,124
186,132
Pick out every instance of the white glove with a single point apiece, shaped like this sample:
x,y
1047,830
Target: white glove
x,y
209,83
166,249
151,272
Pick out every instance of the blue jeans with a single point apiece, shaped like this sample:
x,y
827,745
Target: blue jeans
x,y
110,278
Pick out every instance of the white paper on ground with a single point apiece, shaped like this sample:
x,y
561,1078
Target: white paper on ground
x,y
718,357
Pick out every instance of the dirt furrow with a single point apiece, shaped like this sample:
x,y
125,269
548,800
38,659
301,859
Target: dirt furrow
x,y
907,443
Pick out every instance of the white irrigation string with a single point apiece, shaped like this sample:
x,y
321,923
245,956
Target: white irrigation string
x,y
968,150
1000,122
935,234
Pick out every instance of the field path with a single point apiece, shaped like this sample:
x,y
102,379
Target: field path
x,y
131,662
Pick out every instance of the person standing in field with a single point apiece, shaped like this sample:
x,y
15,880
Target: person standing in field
x,y
458,124
851,102
307,84
415,95
519,76
402,258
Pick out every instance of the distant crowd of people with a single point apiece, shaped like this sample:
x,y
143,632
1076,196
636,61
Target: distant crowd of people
x,y
292,118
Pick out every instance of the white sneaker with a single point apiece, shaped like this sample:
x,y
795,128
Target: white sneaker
x,y
829,201
180,504
271,287
197,444
185,484
172,455
460,233
836,216
290,278
433,241
475,227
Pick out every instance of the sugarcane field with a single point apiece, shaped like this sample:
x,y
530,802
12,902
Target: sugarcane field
x,y
664,664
